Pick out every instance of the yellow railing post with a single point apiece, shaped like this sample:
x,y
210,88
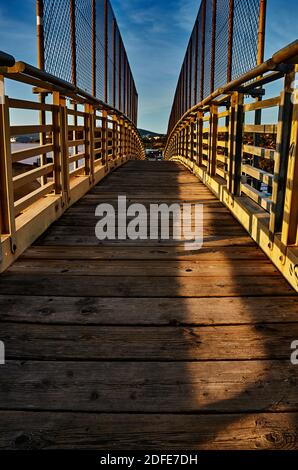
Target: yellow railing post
x,y
121,138
89,142
61,151
212,141
289,235
200,138
235,143
281,155
104,132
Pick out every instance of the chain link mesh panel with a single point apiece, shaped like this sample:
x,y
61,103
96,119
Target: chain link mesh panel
x,y
69,29
226,47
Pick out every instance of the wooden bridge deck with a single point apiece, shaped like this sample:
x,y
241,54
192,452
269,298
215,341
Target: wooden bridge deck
x,y
143,345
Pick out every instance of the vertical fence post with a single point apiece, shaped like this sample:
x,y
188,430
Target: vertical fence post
x,y
235,143
196,62
114,62
40,34
230,39
261,31
192,137
212,140
289,235
89,142
203,49
114,136
281,155
41,66
106,50
190,66
73,41
104,136
213,45
121,143
58,145
200,138
61,152
7,222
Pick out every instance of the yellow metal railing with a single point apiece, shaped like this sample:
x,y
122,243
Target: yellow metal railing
x,y
77,141
250,164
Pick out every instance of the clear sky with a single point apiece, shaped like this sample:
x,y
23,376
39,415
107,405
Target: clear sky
x,y
155,34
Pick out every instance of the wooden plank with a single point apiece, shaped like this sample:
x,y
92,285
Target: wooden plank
x,y
148,311
129,286
260,175
268,103
169,343
24,104
259,151
260,128
32,152
88,219
32,175
146,268
150,387
32,197
76,157
129,431
211,240
31,129
257,196
225,253
75,143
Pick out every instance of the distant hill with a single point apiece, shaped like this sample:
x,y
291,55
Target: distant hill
x,y
145,133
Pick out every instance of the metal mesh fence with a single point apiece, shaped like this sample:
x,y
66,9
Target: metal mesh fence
x,y
83,45
223,46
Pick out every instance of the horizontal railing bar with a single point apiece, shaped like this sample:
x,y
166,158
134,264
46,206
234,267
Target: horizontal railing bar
x,y
222,129
75,172
30,198
31,129
221,172
260,151
256,196
76,157
74,112
24,104
32,175
32,152
76,128
222,143
24,69
269,103
222,158
260,128
6,60
223,114
76,143
258,174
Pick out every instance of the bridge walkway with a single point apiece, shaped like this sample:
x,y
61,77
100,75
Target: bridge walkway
x,y
142,344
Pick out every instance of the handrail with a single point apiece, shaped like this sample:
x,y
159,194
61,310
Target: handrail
x,y
81,140
252,167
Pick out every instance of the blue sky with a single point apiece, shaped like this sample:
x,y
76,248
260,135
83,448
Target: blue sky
x,y
155,33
